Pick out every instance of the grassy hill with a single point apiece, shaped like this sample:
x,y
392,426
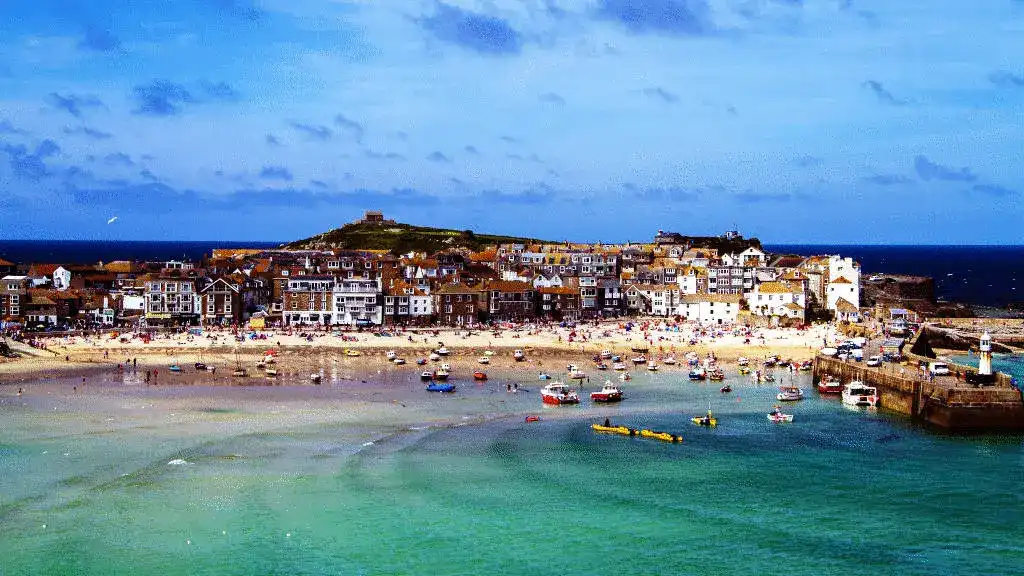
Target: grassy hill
x,y
402,238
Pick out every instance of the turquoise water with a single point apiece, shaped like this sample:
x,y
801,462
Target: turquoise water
x,y
286,481
1012,364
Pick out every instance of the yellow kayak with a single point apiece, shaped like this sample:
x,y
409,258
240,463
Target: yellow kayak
x,y
661,436
614,429
699,420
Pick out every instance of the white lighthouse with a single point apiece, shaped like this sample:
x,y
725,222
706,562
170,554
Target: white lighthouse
x,y
985,360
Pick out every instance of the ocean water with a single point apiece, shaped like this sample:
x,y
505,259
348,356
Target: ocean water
x,y
1012,364
90,252
383,478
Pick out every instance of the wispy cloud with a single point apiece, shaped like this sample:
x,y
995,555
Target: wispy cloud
x,y
350,126
313,131
99,39
86,131
470,149
480,33
73,104
31,165
928,170
1005,79
7,128
993,190
382,155
276,173
661,194
118,159
509,139
888,179
161,98
883,95
669,17
659,93
751,197
552,98
436,156
808,161
272,140
219,91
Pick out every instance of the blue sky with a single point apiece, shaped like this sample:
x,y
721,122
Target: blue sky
x,y
816,121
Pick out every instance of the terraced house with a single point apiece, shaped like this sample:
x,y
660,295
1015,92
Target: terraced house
x,y
458,304
510,301
171,300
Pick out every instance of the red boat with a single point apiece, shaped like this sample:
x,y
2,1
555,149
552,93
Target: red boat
x,y
558,394
609,393
829,386
479,375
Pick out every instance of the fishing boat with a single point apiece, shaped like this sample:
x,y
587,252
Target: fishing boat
x,y
725,389
669,360
269,359
479,375
601,366
625,376
705,420
426,375
777,416
442,373
716,375
829,385
558,393
744,370
806,365
618,366
608,393
789,394
518,355
641,359
484,360
174,367
652,366
606,354
857,393
663,436
239,372
543,376
742,361
441,351
440,387
399,361
260,364
421,361
577,375
698,374
616,359
390,354
270,372
434,357
315,377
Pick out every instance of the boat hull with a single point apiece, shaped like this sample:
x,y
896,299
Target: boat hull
x,y
606,396
557,401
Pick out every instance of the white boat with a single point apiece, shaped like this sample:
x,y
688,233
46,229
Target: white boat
x,y
441,351
857,393
742,361
489,353
269,359
315,378
778,416
446,367
270,372
608,393
390,354
789,394
641,359
618,366
484,359
669,360
575,373
652,366
625,376
519,356
606,354
441,373
398,361
434,357
558,393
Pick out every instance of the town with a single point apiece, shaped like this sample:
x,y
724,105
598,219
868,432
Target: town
x,y
666,278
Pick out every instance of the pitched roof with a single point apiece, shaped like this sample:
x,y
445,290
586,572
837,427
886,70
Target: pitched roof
x,y
794,306
45,269
697,298
845,306
840,280
775,288
558,290
5,262
509,286
458,289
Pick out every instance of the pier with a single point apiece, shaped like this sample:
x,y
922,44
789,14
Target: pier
x,y
947,402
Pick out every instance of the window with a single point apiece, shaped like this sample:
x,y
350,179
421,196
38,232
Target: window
x,y
448,309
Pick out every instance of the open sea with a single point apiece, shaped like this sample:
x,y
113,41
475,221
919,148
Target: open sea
x,y
383,478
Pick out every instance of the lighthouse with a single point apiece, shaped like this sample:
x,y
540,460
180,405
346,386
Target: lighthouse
x,y
985,360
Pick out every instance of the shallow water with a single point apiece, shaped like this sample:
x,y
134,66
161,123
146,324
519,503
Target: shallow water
x,y
384,478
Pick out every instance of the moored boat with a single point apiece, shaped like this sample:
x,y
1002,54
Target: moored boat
x,y
669,360
575,373
543,376
239,373
200,366
270,372
857,393
641,359
652,366
441,374
390,355
399,361
601,366
663,436
777,416
434,357
829,385
705,420
479,375
789,394
606,354
725,389
697,374
716,375
518,355
623,430
353,353
618,366
315,378
441,351
440,387
608,393
426,375
558,393
742,361
174,368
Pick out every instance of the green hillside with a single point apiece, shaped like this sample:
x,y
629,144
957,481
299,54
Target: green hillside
x,y
402,238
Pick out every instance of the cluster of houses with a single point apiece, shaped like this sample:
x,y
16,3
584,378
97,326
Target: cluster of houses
x,y
458,287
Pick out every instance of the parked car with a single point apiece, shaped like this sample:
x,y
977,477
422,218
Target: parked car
x,y
939,368
874,361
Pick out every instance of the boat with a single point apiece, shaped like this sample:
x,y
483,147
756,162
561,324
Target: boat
x,y
491,353
440,387
434,357
239,372
705,420
777,416
270,372
352,353
174,368
625,376
725,389
484,360
533,418
616,359
558,393
421,361
716,375
608,393
806,365
829,385
698,374
315,378
426,375
575,373
606,354
479,375
623,430
641,359
618,366
663,436
518,355
857,393
789,394
543,376
742,361
260,364
269,359
601,366
390,354
744,370
200,366
441,351
441,374
399,361
652,366
669,360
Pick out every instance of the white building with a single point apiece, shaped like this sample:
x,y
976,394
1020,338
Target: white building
x,y
653,299
356,302
843,284
709,308
174,299
61,278
777,298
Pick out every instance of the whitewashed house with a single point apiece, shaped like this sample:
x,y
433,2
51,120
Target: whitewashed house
x,y
709,308
842,292
777,298
61,278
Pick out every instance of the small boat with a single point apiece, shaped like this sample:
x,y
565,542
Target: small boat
x,y
806,365
577,375
830,385
601,366
270,372
663,436
744,370
558,393
390,354
777,416
669,360
421,361
641,359
652,366
625,376
789,394
614,429
533,418
260,364
725,389
608,393
618,366
315,378
399,361
606,354
479,375
440,387
491,353
175,368
426,375
716,375
200,366
441,374
239,373
269,359
616,359
705,420
742,361
698,374
518,355
442,351
434,357
857,393
484,360
543,376
352,353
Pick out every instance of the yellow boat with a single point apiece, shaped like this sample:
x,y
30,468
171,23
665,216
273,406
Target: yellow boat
x,y
744,370
708,420
351,352
665,436
614,429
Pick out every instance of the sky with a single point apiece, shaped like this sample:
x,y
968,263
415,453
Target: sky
x,y
794,121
